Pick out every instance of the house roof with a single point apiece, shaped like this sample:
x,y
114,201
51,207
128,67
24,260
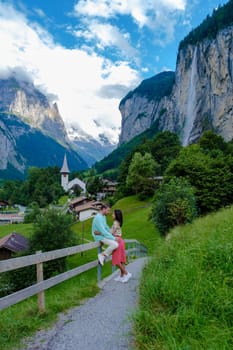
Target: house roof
x,y
84,207
3,202
109,189
110,182
14,242
79,200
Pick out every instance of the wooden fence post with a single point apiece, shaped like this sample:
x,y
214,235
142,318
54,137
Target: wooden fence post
x,y
40,278
99,268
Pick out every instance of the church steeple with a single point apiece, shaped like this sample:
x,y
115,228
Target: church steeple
x,y
65,174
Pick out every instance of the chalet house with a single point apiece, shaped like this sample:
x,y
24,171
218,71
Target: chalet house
x,y
12,243
11,218
84,208
86,211
76,202
109,189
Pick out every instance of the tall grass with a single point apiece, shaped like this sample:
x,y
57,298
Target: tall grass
x,y
186,293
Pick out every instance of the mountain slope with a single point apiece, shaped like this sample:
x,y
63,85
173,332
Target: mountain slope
x,y
32,132
88,147
22,146
32,107
197,97
142,106
200,94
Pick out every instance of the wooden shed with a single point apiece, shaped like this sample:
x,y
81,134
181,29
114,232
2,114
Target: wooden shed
x,y
12,243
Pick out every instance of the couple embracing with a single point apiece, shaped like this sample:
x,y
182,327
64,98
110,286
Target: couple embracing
x,y
112,238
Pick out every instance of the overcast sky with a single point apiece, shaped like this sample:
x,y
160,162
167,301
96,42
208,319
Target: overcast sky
x,y
87,55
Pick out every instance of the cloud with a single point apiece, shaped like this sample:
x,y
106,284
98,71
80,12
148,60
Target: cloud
x,y
75,76
19,73
106,35
100,8
140,10
113,91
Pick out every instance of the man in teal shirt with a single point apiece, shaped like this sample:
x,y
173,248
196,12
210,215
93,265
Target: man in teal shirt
x,y
101,233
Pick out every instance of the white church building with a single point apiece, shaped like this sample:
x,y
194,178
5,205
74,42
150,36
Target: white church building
x,y
65,183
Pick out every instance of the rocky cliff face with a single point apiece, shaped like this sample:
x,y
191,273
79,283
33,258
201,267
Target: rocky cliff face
x,y
8,149
201,97
143,106
203,92
32,132
30,105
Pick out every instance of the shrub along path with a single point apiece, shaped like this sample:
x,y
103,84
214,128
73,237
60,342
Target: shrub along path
x,y
103,322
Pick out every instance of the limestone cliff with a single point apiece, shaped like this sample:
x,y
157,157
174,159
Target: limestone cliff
x,y
30,105
201,97
203,93
143,106
32,132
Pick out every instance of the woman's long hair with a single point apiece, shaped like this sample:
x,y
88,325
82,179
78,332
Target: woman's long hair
x,y
118,216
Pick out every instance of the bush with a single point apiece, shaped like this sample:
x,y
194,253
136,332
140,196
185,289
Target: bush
x,y
32,213
174,204
52,230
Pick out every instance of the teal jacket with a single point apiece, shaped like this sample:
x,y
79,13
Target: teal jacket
x,y
99,224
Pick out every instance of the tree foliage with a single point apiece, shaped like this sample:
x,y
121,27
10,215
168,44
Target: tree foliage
x,y
210,143
42,185
174,204
52,230
141,174
211,177
221,18
154,88
164,147
94,184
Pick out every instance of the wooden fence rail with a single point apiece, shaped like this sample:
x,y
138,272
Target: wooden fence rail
x,y
134,249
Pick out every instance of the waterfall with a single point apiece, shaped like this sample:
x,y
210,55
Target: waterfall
x,y
190,111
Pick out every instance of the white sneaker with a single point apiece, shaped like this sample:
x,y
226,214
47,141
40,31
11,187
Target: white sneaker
x,y
118,278
101,259
126,277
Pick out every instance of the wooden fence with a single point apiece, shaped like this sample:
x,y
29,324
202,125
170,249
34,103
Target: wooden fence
x,y
134,249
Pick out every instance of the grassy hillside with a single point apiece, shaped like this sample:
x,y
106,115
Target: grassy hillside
x,y
187,289
23,319
24,229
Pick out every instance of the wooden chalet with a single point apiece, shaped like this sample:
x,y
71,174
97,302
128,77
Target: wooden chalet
x,y
84,208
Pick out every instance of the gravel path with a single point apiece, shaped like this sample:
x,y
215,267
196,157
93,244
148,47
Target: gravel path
x,y
101,323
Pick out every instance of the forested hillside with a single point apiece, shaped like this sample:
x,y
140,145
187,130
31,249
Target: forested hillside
x,y
220,18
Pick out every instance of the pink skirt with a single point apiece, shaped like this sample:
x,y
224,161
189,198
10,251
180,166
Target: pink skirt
x,y
118,255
